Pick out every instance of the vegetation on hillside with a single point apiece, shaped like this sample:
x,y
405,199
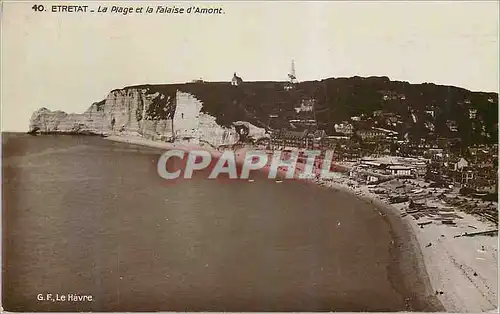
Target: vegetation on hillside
x,y
423,110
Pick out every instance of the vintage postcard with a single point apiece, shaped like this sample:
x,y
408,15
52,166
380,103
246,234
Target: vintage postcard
x,y
267,156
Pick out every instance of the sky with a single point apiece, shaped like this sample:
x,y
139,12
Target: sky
x,y
67,61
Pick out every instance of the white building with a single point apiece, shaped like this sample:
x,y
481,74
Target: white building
x,y
462,163
345,128
397,170
236,80
472,113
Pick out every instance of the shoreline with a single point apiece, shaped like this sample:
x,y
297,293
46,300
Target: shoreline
x,y
406,251
442,277
456,271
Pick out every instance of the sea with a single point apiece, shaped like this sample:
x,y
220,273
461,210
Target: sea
x,y
85,216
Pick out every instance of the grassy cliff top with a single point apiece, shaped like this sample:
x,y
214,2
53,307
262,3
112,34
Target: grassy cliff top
x,y
338,99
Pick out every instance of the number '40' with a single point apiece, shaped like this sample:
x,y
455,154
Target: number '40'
x,y
38,7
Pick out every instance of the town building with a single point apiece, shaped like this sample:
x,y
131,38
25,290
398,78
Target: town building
x,y
400,170
332,141
461,164
430,112
286,139
452,125
467,177
420,169
472,113
372,134
344,128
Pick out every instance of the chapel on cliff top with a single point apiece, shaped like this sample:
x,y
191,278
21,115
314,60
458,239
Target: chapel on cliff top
x,y
236,80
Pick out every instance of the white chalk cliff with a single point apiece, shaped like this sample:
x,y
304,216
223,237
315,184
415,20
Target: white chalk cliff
x,y
129,112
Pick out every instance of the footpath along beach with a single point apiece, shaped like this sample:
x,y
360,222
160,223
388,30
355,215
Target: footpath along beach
x,y
459,269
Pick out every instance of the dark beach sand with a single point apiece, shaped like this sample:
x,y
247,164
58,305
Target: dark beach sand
x,y
87,216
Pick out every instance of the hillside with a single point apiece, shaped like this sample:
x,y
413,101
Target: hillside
x,y
416,111
423,110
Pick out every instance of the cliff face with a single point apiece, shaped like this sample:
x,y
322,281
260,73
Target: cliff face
x,y
192,125
142,112
124,106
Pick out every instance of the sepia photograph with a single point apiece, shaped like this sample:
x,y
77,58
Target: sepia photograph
x,y
249,156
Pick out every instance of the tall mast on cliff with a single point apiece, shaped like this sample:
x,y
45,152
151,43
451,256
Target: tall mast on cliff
x,y
292,78
291,75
